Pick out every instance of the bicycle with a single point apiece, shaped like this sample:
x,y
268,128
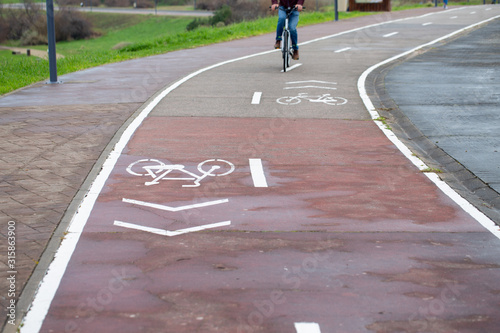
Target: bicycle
x,y
286,45
325,98
158,170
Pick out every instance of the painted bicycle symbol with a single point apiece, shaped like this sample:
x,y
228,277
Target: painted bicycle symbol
x,y
325,98
159,171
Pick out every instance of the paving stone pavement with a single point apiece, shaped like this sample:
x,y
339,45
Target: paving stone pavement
x,y
46,154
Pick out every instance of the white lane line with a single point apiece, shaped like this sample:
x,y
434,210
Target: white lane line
x,y
475,213
453,17
428,23
174,209
168,233
304,87
307,328
292,67
391,34
473,13
256,97
257,171
310,81
343,50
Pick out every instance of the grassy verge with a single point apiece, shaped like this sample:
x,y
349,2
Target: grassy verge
x,y
20,71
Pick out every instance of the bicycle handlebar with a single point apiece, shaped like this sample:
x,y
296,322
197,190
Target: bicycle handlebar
x,y
290,8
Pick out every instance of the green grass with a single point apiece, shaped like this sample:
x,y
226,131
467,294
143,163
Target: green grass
x,y
20,71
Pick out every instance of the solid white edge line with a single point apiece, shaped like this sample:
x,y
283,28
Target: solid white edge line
x,y
256,97
33,320
257,171
307,328
452,194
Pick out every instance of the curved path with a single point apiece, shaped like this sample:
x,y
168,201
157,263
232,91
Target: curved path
x,y
344,216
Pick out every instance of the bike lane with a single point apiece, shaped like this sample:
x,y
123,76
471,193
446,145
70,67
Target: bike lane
x,y
321,222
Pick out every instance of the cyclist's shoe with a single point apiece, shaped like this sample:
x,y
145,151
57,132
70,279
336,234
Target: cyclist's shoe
x,y
295,55
277,45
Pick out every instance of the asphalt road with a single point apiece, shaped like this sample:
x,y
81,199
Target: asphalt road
x,y
451,95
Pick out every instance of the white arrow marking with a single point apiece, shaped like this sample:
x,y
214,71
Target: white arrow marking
x,y
257,170
174,209
168,233
311,81
301,87
307,328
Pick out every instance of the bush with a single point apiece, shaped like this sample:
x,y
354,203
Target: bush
x,y
236,11
196,23
224,14
87,3
20,21
71,24
32,37
144,4
117,3
209,4
29,26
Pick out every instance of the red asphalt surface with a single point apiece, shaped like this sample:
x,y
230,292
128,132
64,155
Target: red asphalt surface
x,y
348,235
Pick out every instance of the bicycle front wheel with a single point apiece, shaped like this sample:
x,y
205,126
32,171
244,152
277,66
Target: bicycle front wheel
x,y
216,167
285,50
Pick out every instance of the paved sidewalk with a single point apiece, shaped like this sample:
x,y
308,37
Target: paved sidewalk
x,y
53,135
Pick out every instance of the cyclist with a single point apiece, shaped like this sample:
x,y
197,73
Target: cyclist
x,y
292,23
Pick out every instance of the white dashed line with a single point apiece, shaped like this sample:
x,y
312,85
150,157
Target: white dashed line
x,y
257,171
343,50
256,97
428,23
391,34
307,328
292,67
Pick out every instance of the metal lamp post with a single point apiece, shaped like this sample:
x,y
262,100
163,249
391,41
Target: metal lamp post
x,y
52,41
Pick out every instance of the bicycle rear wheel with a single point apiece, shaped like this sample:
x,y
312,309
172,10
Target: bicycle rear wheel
x,y
285,50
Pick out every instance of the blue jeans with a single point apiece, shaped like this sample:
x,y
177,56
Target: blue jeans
x,y
292,25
